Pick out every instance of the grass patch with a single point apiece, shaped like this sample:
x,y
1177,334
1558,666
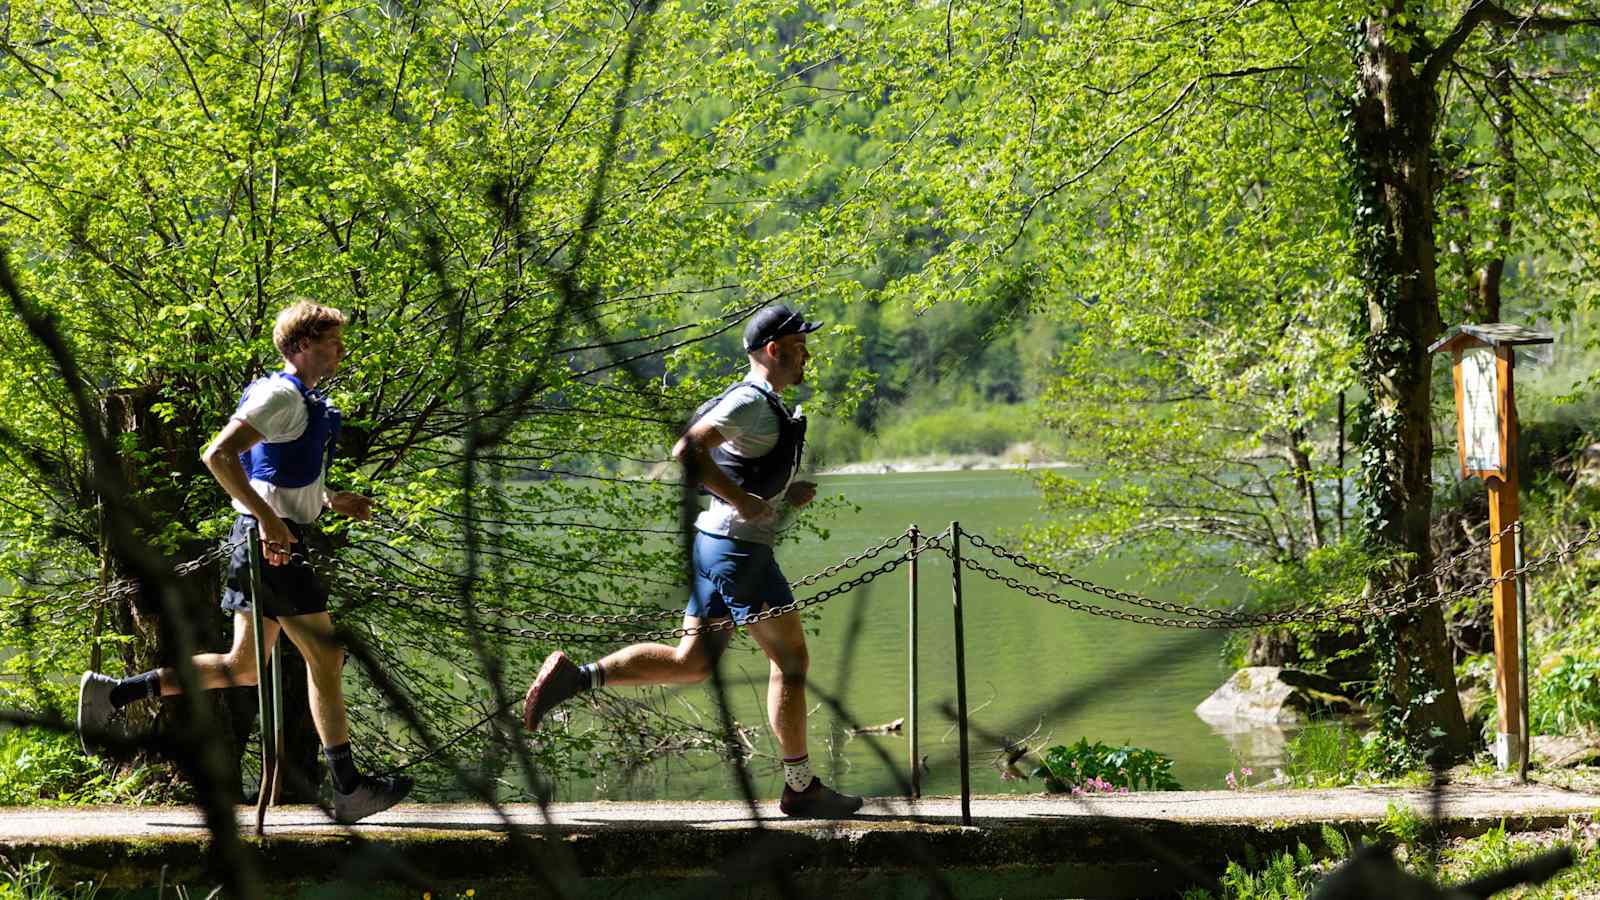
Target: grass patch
x,y
31,881
40,767
1326,754
1294,876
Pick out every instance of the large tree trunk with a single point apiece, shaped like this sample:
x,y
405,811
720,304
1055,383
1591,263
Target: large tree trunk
x,y
1502,176
146,438
1391,145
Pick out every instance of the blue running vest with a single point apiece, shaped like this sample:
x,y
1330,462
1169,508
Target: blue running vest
x,y
296,463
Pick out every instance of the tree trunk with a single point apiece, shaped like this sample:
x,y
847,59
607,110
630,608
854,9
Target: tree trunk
x,y
1338,486
1300,465
1503,176
147,440
1391,138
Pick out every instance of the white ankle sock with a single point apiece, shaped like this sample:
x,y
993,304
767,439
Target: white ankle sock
x,y
797,773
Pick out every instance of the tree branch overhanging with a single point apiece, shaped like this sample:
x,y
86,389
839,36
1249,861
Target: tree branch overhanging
x,y
1482,12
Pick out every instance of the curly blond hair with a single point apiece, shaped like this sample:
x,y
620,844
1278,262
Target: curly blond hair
x,y
303,321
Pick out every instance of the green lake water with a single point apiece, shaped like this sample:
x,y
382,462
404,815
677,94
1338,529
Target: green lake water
x,y
1034,669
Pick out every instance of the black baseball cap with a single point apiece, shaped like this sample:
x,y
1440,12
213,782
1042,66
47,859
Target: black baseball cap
x,y
774,322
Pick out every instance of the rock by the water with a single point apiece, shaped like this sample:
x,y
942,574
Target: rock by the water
x,y
1273,695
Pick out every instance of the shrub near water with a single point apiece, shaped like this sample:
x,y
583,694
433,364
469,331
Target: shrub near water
x,y
1085,768
1566,698
987,429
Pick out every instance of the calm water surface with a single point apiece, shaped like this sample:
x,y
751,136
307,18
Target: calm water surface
x,y
1034,669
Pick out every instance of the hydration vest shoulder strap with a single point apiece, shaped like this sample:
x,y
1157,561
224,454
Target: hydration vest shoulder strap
x,y
773,400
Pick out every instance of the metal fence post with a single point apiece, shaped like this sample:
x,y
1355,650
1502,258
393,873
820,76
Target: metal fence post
x,y
961,672
264,695
96,655
277,722
1522,639
911,647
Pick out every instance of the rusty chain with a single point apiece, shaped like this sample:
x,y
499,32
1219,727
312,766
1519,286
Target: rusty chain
x,y
453,601
1377,600
88,598
1179,615
27,608
935,543
660,634
1353,610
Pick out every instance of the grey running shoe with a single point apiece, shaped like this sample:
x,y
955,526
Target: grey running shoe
x,y
95,710
817,802
375,794
558,680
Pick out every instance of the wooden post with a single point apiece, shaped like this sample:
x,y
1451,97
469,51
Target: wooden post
x,y
961,673
1502,559
263,692
1507,671
911,654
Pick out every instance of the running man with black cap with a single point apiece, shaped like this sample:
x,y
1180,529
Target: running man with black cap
x,y
272,458
743,447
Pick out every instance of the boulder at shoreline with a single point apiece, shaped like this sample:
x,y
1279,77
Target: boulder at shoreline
x,y
1274,695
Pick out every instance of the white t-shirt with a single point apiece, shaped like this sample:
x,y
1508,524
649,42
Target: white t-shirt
x,y
274,407
749,428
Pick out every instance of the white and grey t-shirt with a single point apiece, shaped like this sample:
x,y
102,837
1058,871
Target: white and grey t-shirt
x,y
749,428
274,407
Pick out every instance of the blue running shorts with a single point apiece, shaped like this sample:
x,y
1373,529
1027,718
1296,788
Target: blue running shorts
x,y
735,578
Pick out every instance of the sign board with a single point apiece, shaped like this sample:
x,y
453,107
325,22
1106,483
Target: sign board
x,y
1486,427
1480,410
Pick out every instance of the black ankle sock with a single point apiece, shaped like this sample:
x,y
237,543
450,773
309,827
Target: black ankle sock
x,y
591,676
343,767
146,686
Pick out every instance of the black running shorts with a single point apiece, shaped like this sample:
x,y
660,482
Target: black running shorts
x,y
292,589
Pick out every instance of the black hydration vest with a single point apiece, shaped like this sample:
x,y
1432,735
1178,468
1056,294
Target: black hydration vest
x,y
765,476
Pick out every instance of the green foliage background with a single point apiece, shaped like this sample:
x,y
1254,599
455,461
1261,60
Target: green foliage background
x,y
1122,235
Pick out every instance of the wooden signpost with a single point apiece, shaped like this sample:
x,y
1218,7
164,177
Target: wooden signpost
x,y
1486,431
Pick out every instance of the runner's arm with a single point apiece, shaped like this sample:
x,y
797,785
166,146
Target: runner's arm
x,y
222,458
694,451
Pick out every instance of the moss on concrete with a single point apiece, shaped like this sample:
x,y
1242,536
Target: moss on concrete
x,y
1095,856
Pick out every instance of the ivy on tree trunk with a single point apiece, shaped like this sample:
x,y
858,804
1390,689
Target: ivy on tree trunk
x,y
1389,142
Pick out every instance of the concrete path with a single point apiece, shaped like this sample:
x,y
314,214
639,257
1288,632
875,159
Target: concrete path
x,y
1109,846
1194,807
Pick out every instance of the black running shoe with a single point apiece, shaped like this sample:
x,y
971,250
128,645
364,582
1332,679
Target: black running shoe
x,y
373,795
817,802
558,680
